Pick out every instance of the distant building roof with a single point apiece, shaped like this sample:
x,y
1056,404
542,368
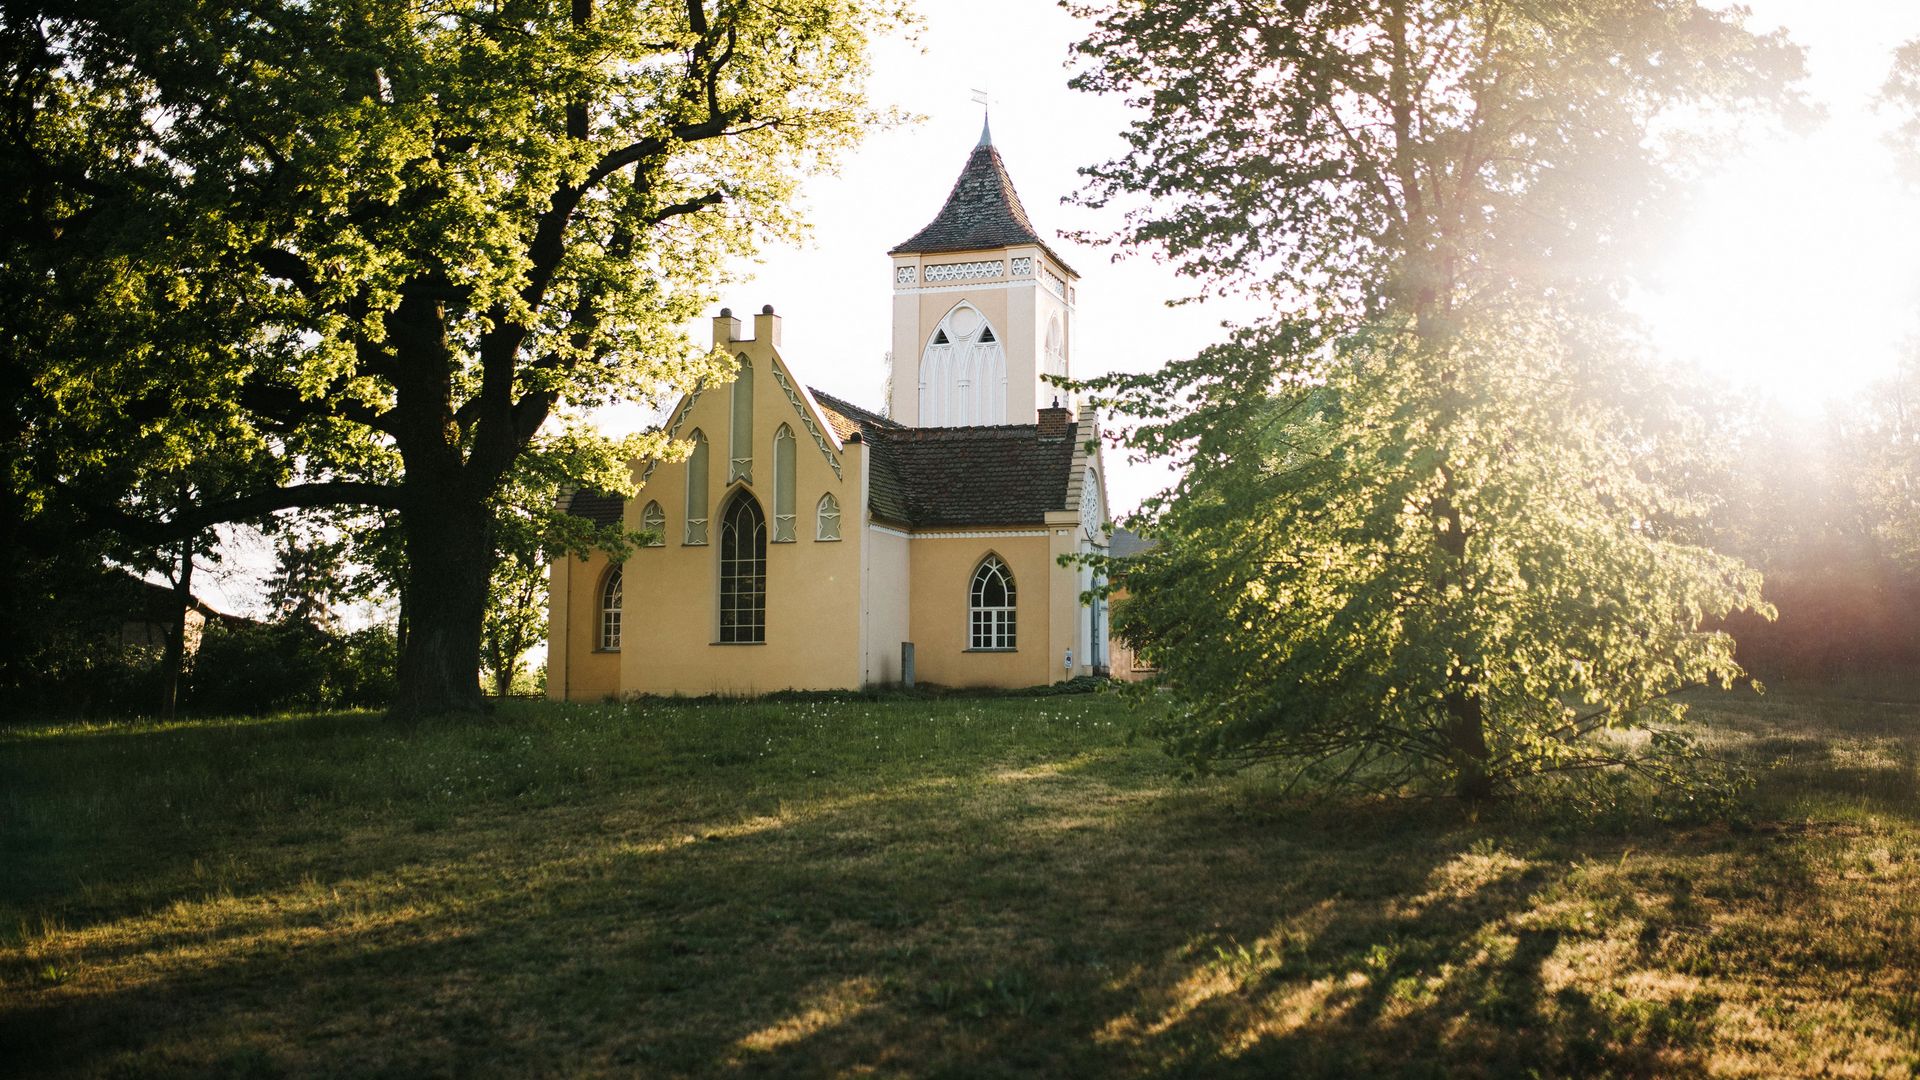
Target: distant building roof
x,y
983,211
598,507
1007,474
1126,543
138,599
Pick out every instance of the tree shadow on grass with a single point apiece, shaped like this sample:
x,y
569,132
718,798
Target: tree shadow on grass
x,y
938,932
982,922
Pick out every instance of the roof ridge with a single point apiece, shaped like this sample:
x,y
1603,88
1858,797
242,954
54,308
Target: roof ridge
x,y
1010,429
850,410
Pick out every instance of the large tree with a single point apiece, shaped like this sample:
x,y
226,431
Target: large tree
x,y
376,247
1438,520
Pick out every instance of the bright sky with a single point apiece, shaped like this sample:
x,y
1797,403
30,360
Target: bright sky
x,y
1797,274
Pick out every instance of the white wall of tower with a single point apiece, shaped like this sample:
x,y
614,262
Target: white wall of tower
x,y
1020,291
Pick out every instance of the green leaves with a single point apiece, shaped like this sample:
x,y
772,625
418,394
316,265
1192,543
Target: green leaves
x,y
374,249
1436,526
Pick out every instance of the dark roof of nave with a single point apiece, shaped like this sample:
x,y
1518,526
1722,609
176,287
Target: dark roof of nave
x,y
1002,474
598,507
982,211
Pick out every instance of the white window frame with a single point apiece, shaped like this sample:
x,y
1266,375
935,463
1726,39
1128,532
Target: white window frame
x,y
740,430
695,532
786,450
654,520
612,598
992,627
826,511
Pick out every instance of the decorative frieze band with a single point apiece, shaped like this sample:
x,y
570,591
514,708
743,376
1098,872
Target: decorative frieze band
x,y
806,419
1023,266
966,271
1054,282
674,431
905,275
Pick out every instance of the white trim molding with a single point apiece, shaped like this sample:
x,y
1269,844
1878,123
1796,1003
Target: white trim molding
x,y
956,534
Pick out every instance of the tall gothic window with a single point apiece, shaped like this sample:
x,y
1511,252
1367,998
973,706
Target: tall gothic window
x,y
740,439
963,373
783,466
610,598
743,571
653,521
827,518
990,607
697,480
1056,347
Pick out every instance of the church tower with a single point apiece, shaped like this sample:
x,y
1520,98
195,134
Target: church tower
x,y
982,308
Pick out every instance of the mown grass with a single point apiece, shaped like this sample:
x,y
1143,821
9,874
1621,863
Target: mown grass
x,y
960,887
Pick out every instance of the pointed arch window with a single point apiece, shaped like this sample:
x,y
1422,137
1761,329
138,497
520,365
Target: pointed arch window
x,y
827,518
697,480
1056,347
653,521
740,439
611,595
784,529
963,372
990,606
743,571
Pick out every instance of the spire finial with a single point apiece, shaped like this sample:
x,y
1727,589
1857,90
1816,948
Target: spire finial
x,y
986,129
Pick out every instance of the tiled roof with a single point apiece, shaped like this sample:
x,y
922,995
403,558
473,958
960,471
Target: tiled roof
x,y
847,418
1008,474
597,506
983,211
1126,543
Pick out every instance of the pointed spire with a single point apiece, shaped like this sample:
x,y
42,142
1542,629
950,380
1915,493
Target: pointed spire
x,y
986,130
982,212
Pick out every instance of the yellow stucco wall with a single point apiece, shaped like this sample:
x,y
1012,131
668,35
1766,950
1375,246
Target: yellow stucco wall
x,y
813,623
943,566
577,669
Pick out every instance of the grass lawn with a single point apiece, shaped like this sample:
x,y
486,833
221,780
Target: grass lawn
x,y
967,888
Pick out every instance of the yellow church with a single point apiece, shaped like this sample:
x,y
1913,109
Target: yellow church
x,y
808,543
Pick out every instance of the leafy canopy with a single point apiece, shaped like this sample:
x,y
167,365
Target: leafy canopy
x,y
369,250
1438,522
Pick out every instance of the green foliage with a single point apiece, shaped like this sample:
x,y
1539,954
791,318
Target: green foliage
x,y
1308,605
370,251
1439,522
291,664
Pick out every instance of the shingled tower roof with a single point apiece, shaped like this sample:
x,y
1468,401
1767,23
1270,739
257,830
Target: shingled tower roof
x,y
983,211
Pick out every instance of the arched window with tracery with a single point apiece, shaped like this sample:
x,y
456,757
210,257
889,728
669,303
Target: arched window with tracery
x,y
653,522
743,571
1056,347
990,606
827,518
610,599
963,373
697,480
784,529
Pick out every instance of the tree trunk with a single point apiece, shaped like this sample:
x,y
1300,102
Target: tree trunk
x,y
449,538
1467,745
176,656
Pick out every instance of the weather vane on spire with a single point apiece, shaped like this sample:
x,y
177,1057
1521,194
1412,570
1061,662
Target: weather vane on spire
x,y
984,99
